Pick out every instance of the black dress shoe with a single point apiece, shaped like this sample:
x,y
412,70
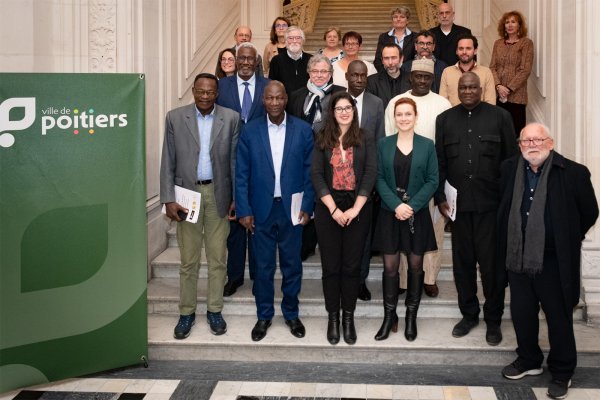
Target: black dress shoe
x,y
230,288
464,327
260,329
493,335
296,327
363,292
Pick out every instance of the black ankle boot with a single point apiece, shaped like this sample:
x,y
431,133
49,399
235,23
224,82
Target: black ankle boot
x,y
348,327
333,327
390,301
413,299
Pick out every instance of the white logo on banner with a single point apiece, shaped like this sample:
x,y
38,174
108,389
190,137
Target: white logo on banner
x,y
28,103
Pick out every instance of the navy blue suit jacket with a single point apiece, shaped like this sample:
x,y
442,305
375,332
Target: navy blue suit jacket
x,y
255,173
230,98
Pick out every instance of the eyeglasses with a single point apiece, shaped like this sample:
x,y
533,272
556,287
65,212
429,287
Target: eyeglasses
x,y
200,92
529,142
281,26
319,71
428,44
351,44
294,38
249,59
340,110
227,60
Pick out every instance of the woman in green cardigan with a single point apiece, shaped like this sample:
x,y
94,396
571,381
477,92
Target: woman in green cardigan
x,y
407,177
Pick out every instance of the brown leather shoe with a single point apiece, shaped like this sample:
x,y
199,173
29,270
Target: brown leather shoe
x,y
431,290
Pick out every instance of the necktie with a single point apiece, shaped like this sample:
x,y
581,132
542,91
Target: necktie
x,y
246,102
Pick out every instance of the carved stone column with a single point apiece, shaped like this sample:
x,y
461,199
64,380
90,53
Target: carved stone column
x,y
102,30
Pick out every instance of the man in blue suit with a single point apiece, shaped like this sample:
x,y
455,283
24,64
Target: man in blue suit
x,y
242,93
273,162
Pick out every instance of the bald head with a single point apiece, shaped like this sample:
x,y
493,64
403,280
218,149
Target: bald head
x,y
445,16
356,77
275,100
469,90
242,34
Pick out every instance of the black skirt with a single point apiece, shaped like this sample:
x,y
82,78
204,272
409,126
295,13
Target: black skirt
x,y
393,235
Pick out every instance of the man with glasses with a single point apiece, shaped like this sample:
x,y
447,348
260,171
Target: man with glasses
x,y
424,47
243,34
289,66
471,140
242,93
447,34
547,206
199,154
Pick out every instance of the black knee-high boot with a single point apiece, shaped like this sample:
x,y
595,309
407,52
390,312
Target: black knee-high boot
x,y
413,299
390,302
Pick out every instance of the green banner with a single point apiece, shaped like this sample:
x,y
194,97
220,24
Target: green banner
x,y
73,239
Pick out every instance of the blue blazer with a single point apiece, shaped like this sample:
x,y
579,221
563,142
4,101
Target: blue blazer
x,y
230,98
255,173
423,177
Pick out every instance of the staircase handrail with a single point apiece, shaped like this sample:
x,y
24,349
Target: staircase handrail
x,y
302,13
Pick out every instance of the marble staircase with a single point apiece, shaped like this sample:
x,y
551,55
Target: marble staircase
x,y
434,345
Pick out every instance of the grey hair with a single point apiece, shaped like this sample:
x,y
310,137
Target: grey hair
x,y
402,10
294,28
317,58
541,126
247,44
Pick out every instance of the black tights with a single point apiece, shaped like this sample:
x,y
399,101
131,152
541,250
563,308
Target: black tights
x,y
391,263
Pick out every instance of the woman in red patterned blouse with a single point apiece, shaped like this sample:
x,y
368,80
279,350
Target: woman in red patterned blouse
x,y
343,173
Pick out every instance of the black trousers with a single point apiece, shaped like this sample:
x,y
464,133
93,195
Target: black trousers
x,y
526,295
474,242
518,113
237,242
341,251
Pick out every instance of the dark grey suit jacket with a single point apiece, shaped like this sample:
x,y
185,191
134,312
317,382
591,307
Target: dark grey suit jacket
x,y
181,150
372,118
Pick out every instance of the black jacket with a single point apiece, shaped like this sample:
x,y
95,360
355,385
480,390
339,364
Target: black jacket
x,y
571,208
408,50
445,45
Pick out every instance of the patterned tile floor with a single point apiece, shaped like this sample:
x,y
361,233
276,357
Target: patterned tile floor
x,y
212,380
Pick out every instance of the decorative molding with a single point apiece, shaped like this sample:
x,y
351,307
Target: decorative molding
x,y
103,35
427,12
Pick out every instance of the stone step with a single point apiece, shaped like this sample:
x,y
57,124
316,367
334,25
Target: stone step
x,y
163,298
166,265
434,344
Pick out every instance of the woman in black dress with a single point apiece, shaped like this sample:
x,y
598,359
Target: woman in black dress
x,y
407,177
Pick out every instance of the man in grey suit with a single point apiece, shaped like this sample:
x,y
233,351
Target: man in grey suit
x,y
370,118
199,154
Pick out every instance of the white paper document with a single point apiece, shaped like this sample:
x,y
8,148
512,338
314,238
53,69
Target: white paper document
x,y
188,199
296,207
451,195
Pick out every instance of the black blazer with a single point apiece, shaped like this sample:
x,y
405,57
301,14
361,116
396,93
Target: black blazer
x,y
365,169
408,50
